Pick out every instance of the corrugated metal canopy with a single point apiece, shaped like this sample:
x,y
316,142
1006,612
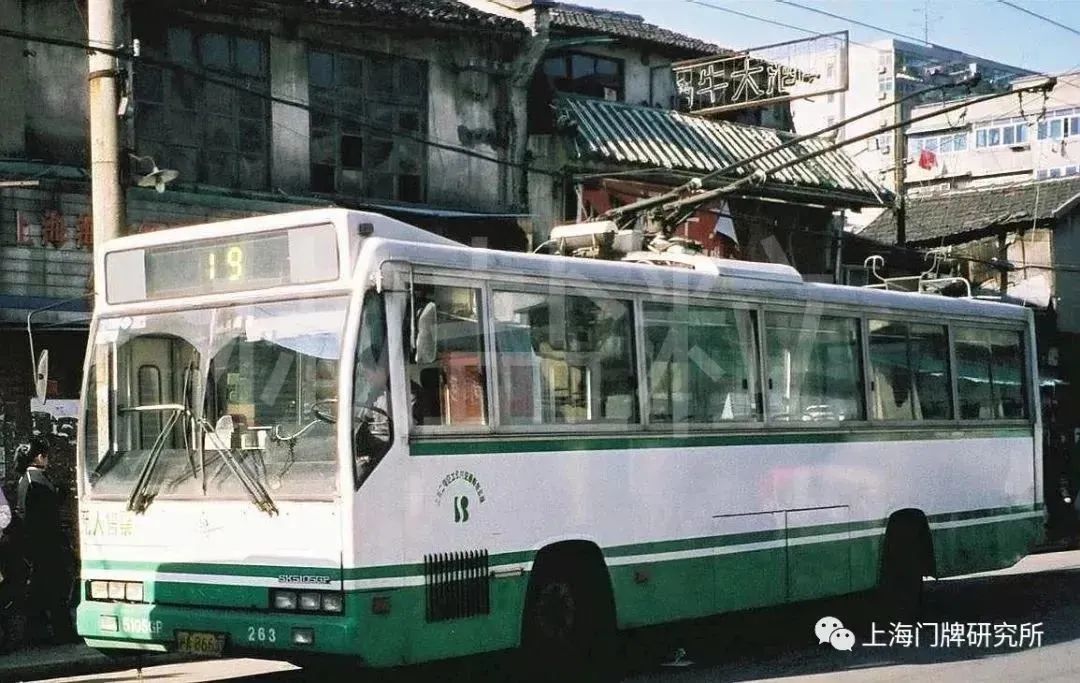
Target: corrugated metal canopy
x,y
625,134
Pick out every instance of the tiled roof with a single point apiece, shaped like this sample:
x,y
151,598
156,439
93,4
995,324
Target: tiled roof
x,y
660,138
630,26
959,216
446,12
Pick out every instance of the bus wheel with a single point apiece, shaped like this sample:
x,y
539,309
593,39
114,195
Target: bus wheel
x,y
568,627
904,562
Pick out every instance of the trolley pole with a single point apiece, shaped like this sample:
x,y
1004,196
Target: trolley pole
x,y
107,194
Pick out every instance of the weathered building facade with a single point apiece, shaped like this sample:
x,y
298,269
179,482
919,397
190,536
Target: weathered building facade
x,y
603,126
415,109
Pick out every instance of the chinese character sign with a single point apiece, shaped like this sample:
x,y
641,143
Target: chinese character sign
x,y
944,634
770,74
51,228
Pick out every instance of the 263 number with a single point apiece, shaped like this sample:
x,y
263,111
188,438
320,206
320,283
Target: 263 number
x,y
261,634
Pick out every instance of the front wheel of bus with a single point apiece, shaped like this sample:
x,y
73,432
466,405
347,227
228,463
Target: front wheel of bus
x,y
568,629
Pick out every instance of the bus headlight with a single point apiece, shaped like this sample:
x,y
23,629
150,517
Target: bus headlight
x,y
133,591
284,599
121,591
99,590
333,602
307,601
303,636
310,602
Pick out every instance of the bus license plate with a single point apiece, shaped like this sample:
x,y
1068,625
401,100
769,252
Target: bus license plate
x,y
199,643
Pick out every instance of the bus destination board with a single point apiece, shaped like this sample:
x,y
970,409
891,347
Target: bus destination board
x,y
229,264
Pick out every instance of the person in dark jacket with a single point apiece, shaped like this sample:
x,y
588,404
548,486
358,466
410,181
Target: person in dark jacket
x,y
45,545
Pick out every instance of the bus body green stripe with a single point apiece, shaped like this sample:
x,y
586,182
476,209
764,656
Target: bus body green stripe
x,y
519,557
509,444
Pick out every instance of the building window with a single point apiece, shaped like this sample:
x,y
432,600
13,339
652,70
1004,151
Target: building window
x,y
885,87
212,132
1057,172
1006,133
386,94
1059,123
885,62
938,144
585,74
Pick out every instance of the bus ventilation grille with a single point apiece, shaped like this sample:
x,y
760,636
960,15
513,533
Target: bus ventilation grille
x,y
458,585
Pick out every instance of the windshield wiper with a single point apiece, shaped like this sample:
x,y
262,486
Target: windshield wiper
x,y
255,490
138,501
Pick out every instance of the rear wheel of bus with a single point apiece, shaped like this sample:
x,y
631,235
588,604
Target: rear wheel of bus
x,y
568,625
906,558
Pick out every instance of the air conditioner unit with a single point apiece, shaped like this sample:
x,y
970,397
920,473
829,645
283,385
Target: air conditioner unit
x,y
882,68
882,95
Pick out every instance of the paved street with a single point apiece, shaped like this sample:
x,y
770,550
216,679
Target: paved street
x,y
781,645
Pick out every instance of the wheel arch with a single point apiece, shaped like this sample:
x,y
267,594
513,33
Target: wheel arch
x,y
582,555
909,520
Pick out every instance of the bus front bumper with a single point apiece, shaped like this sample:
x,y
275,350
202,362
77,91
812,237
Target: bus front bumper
x,y
201,630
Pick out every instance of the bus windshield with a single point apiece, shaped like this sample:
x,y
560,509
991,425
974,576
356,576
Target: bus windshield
x,y
227,402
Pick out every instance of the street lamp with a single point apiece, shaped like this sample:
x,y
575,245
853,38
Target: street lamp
x,y
157,178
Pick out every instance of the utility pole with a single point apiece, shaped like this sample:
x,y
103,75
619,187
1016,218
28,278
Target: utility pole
x,y
899,171
107,194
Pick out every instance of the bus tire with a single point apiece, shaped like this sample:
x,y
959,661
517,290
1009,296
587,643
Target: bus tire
x,y
905,559
568,624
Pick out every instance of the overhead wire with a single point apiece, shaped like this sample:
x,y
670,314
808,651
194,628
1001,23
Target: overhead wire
x,y
853,21
1041,17
766,20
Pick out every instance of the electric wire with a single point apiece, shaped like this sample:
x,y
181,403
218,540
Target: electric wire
x,y
853,21
1041,17
766,20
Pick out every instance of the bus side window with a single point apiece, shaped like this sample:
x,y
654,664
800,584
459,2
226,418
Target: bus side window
x,y
701,364
449,389
814,369
909,365
564,359
990,374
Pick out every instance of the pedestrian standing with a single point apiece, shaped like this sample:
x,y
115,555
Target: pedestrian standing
x,y
46,547
5,522
5,516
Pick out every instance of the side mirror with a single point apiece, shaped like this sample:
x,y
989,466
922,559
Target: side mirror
x,y
41,375
427,336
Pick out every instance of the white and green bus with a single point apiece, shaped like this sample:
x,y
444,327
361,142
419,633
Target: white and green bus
x,y
329,433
